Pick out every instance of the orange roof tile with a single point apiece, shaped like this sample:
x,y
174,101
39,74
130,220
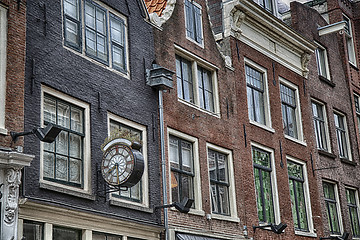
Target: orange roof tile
x,y
156,6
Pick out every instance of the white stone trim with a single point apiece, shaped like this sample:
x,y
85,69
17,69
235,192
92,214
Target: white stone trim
x,y
3,63
86,189
166,14
144,179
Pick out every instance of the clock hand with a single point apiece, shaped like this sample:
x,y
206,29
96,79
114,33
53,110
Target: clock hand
x,y
117,173
112,169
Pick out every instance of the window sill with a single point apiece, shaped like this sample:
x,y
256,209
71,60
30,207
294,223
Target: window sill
x,y
193,212
225,218
195,42
198,108
262,126
119,203
3,131
327,81
305,234
296,140
62,189
353,65
327,154
347,161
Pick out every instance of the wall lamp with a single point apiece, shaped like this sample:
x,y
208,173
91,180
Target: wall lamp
x,y
46,134
345,236
183,207
273,228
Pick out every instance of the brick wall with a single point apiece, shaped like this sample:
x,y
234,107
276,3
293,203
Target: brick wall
x,y
15,70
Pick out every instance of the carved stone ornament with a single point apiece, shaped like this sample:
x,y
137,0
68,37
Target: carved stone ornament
x,y
305,58
13,180
166,14
237,18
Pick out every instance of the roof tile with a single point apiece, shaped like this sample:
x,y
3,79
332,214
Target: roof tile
x,y
156,6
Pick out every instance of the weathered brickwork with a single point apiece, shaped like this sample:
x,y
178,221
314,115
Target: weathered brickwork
x,y
15,70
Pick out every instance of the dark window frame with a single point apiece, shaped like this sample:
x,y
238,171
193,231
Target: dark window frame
x,y
285,106
319,124
328,202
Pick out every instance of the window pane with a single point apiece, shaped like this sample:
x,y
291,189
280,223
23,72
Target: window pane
x,y
63,115
118,57
77,120
90,15
49,165
49,110
66,234
175,189
186,151
90,42
71,8
61,168
184,75
62,143
268,199
117,31
32,231
100,21
71,32
174,151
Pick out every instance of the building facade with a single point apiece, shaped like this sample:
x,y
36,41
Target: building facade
x,y
12,80
85,73
335,112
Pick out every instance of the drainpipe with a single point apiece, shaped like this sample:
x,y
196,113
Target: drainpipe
x,y
160,78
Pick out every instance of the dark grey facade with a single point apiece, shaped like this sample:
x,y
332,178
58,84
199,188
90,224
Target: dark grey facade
x,y
68,76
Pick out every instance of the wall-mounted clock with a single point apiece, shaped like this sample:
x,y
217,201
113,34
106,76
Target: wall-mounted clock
x,y
122,164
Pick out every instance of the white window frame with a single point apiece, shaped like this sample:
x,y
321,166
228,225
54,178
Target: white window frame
x,y
309,215
82,51
144,179
327,135
198,209
347,138
85,191
357,205
299,126
231,189
350,42
201,23
338,207
322,72
197,61
273,179
267,111
3,62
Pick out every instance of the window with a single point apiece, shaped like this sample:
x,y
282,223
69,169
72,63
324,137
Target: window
x,y
222,186
199,89
320,126
349,41
60,233
257,94
219,181
66,161
33,230
290,108
265,185
322,62
104,32
267,4
193,21
184,169
342,136
138,193
103,236
3,53
297,196
353,206
331,202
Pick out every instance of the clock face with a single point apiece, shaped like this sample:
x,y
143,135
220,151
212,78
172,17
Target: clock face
x,y
117,164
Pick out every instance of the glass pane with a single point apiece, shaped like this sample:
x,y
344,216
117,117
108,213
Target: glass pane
x,y
90,42
329,192
333,218
75,171
66,234
258,195
251,106
77,120
101,47
224,200
175,190
269,208
261,157
90,15
61,168
49,163
293,204
179,78
214,199
100,21
222,168
62,143
117,31
63,115
72,34
118,57
174,151
187,187
295,170
32,231
71,8
50,147
186,154
212,165
50,110
136,191
301,205
75,146
259,107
